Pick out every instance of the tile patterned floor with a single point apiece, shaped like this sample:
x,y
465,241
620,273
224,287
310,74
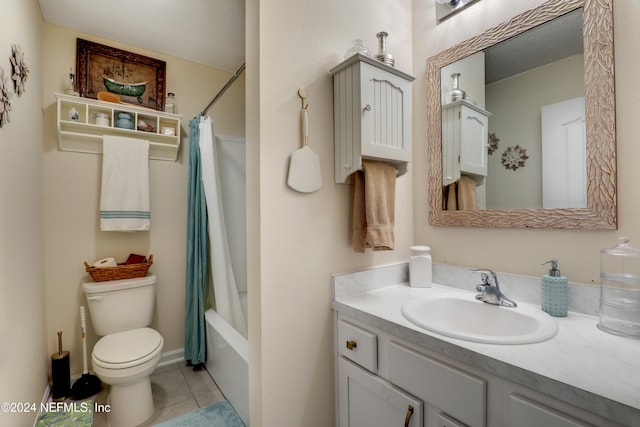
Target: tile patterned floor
x,y
177,389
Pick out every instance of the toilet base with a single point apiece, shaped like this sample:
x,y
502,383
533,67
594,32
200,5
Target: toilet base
x,y
131,404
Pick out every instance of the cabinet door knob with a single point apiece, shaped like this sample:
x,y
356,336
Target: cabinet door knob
x,y
367,107
407,418
351,344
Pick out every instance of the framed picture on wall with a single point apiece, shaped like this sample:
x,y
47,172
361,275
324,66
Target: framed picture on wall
x,y
136,79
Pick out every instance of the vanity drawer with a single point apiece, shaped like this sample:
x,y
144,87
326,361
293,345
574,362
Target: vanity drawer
x,y
455,392
358,345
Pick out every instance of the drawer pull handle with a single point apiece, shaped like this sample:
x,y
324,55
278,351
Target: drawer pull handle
x,y
408,417
351,344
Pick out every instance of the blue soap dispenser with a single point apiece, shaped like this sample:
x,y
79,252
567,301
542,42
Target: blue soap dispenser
x,y
555,291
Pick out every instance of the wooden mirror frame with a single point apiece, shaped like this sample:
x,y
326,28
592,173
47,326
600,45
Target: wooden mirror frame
x,y
601,210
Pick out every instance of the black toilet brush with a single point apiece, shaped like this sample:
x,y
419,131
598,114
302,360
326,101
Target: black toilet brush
x,y
87,385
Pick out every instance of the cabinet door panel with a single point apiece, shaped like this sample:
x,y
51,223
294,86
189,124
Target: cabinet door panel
x,y
366,400
386,133
460,394
446,421
473,151
526,413
450,146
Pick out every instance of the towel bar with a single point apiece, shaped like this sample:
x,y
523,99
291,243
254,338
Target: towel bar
x,y
401,169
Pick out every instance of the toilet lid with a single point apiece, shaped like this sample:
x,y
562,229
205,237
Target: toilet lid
x,y
128,348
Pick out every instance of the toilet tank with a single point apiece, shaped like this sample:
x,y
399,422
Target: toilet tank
x,y
120,305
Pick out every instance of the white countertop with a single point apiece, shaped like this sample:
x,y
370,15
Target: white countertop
x,y
581,365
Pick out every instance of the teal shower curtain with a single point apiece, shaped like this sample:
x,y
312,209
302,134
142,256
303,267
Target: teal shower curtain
x,y
197,254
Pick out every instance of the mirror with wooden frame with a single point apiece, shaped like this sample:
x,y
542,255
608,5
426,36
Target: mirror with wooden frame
x,y
597,208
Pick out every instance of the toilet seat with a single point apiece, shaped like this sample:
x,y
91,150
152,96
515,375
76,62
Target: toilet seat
x,y
127,349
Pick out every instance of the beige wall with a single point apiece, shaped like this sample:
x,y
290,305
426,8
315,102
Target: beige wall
x,y
72,189
24,357
515,250
302,239
471,80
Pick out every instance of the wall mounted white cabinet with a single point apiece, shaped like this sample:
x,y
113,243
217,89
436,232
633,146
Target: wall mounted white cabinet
x,y
78,131
372,115
465,133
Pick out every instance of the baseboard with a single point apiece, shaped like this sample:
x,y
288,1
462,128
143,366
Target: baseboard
x,y
173,356
45,398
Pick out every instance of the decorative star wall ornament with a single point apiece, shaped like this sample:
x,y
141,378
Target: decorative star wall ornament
x,y
19,69
5,99
514,157
493,143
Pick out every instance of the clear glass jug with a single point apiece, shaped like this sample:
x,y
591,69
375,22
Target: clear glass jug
x,y
620,290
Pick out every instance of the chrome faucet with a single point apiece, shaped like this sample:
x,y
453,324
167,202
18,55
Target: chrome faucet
x,y
490,289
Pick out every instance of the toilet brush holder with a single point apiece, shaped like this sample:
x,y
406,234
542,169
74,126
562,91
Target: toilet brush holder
x,y
60,374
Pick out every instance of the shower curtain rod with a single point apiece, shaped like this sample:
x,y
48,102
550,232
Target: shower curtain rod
x,y
224,89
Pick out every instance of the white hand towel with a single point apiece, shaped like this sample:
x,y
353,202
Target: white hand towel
x,y
124,203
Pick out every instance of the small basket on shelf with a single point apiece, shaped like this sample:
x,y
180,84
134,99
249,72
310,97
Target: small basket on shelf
x,y
121,271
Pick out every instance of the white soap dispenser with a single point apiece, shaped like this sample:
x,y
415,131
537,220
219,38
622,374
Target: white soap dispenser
x,y
555,291
420,267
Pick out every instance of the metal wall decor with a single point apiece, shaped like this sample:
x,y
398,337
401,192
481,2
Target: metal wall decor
x,y
20,71
514,157
493,143
5,99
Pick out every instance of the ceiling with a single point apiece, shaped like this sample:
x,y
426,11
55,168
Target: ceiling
x,y
209,32
552,41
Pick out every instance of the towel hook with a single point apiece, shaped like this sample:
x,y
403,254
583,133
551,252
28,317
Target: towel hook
x,y
302,93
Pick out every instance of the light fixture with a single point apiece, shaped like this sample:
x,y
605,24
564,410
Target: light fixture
x,y
445,8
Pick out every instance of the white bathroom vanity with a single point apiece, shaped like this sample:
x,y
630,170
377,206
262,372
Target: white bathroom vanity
x,y
390,372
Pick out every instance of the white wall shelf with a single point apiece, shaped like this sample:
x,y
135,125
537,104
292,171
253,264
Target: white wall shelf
x,y
84,136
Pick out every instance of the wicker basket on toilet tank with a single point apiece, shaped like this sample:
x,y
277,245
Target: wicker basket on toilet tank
x,y
121,271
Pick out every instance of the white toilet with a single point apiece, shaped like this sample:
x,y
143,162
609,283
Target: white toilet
x,y
129,351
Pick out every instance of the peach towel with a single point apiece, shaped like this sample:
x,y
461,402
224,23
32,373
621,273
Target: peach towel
x,y
452,197
461,196
466,194
374,207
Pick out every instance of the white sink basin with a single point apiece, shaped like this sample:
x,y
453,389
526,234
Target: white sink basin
x,y
462,316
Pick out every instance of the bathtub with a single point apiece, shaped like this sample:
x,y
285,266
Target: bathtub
x,y
228,362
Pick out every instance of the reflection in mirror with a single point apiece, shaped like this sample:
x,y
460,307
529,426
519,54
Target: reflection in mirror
x,y
529,86
522,123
